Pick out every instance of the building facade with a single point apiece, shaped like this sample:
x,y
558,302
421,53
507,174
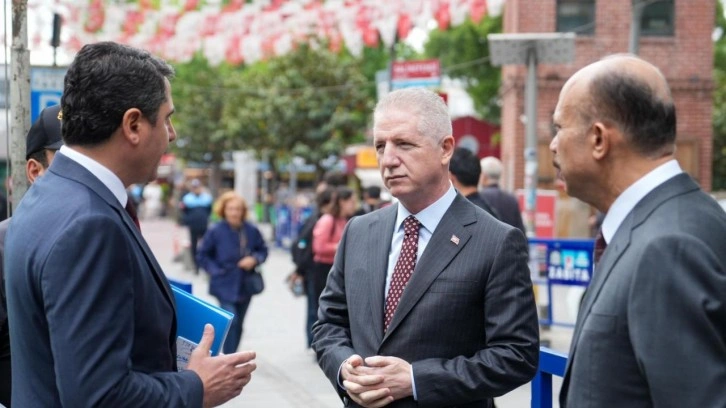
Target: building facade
x,y
675,35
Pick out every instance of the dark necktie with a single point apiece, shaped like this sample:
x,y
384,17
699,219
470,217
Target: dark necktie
x,y
131,209
404,267
600,246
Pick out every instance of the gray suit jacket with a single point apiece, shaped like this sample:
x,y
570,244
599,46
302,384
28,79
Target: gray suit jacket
x,y
467,320
651,331
91,314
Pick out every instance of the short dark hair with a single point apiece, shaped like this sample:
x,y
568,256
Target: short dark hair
x,y
41,157
647,120
104,81
464,165
373,192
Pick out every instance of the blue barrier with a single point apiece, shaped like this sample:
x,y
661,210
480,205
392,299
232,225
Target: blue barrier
x,y
288,222
550,363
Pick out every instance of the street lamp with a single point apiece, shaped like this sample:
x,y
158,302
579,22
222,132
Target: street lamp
x,y
531,49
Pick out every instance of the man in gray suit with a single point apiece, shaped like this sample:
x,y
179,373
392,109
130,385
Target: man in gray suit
x,y
651,329
429,301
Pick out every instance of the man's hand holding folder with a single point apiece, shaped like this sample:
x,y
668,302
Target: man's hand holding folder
x,y
223,376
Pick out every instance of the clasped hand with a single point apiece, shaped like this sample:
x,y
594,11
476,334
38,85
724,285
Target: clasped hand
x,y
377,381
247,263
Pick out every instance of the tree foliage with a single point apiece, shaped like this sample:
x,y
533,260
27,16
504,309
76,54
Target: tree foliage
x,y
199,104
719,102
464,54
308,103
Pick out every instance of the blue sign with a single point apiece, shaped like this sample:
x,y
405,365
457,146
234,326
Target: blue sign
x,y
46,88
567,261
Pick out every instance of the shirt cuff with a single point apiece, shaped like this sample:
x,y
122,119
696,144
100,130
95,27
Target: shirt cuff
x,y
340,383
413,385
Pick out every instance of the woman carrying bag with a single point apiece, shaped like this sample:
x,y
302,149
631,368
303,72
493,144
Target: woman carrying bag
x,y
230,252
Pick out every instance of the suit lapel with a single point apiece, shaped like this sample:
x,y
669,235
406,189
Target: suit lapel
x,y
680,184
67,168
440,251
380,235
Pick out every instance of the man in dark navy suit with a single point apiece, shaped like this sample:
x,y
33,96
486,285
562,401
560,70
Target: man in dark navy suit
x,y
92,315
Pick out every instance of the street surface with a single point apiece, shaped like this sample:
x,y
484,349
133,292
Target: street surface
x,y
287,375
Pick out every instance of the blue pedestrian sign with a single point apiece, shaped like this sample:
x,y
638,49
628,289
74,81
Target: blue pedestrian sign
x,y
46,88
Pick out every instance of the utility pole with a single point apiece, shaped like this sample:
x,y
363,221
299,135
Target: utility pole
x,y
531,49
19,100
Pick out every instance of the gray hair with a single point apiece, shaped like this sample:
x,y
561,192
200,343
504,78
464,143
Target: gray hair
x,y
492,167
429,107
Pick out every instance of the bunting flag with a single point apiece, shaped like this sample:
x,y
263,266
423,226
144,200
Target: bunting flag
x,y
243,31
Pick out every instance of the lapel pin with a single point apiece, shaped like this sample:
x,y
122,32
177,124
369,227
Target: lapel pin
x,y
455,239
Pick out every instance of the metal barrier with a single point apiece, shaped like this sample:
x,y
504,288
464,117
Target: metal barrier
x,y
550,363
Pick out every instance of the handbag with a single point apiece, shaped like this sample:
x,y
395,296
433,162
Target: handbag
x,y
253,282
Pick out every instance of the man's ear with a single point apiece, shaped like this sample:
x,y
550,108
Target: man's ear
x,y
601,139
447,146
131,125
33,170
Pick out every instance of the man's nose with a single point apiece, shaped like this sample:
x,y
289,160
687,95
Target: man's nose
x,y
553,145
172,132
389,157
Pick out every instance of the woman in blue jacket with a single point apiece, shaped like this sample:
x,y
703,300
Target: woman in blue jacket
x,y
230,252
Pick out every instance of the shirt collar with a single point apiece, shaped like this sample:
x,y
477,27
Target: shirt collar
x,y
632,195
430,216
106,176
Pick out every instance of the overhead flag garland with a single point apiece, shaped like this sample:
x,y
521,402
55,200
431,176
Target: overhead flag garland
x,y
246,31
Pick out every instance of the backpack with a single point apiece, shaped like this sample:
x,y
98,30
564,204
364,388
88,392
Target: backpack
x,y
302,247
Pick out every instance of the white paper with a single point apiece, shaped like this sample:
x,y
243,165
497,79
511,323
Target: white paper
x,y
184,348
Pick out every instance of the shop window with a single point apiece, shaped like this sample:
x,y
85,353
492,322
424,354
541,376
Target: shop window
x,y
576,16
658,19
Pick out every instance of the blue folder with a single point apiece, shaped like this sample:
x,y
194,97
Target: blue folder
x,y
193,313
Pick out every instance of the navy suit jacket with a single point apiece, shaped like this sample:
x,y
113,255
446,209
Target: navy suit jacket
x,y
92,315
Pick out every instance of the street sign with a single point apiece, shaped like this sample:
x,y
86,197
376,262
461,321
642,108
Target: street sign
x,y
425,73
46,88
544,220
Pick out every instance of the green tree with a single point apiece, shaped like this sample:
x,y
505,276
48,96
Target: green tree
x,y
309,103
199,105
464,54
719,102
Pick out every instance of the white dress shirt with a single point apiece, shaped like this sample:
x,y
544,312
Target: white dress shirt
x,y
106,176
632,195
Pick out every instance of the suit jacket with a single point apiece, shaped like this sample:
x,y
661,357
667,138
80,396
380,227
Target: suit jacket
x,y
467,320
505,204
479,201
651,331
92,315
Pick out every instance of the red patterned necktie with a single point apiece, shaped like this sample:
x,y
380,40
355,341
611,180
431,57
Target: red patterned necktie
x,y
404,267
600,246
131,209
